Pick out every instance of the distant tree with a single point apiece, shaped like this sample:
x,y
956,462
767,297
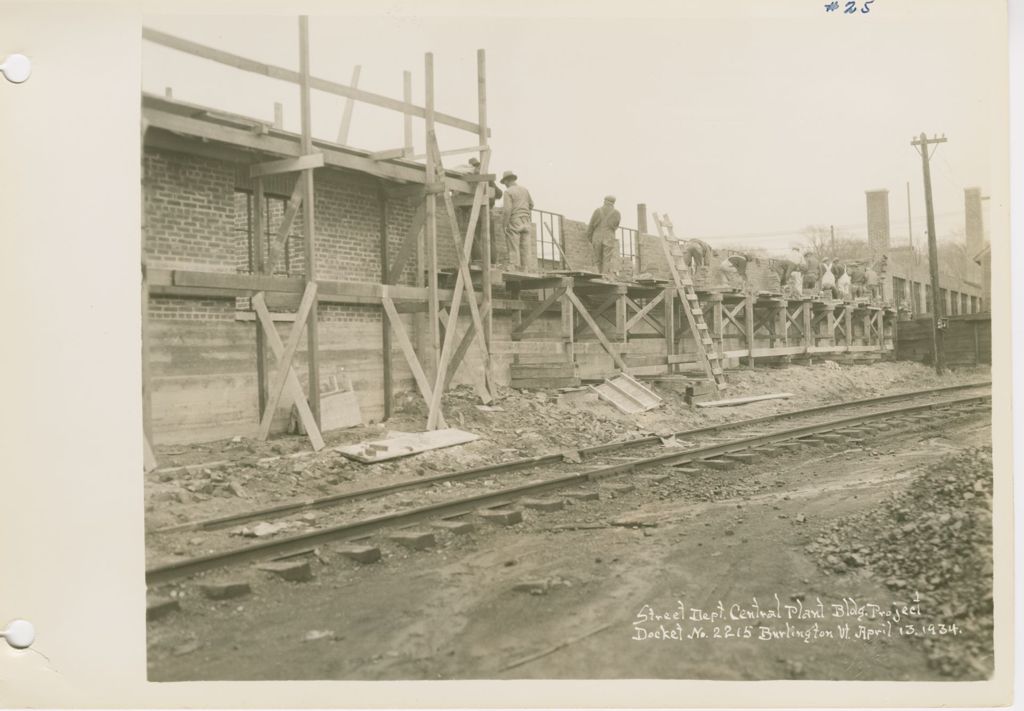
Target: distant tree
x,y
845,247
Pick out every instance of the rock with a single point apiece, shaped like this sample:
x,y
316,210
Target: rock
x,y
534,587
158,607
315,635
264,529
292,570
186,648
225,590
237,490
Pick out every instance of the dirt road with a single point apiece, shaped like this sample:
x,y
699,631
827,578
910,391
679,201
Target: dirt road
x,y
574,593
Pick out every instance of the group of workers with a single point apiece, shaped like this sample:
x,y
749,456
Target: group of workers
x,y
798,272
514,220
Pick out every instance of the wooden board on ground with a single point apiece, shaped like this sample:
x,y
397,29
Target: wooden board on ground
x,y
627,394
403,444
744,400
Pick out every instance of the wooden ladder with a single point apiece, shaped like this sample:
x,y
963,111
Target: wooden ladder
x,y
691,306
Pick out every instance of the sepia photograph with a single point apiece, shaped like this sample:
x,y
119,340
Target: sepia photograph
x,y
561,347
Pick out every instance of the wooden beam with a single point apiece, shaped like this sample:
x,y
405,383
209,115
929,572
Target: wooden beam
x,y
408,244
284,359
407,115
642,313
598,312
289,75
308,226
749,318
463,281
464,344
288,146
385,331
292,384
460,151
430,226
346,114
535,313
249,282
389,154
284,229
485,211
808,324
405,345
596,329
668,297
259,232
287,165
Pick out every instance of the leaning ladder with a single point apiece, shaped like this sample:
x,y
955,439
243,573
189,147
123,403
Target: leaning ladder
x,y
691,306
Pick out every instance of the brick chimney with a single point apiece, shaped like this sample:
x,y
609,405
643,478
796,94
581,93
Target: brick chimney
x,y
973,226
878,222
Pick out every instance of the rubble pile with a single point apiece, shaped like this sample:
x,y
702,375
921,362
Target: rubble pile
x,y
935,540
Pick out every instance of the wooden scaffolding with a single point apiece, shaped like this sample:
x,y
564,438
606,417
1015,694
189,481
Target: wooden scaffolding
x,y
439,351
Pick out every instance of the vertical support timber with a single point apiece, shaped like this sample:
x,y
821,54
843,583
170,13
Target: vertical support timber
x,y
748,325
670,326
308,226
808,317
620,313
484,230
568,325
430,230
258,231
385,329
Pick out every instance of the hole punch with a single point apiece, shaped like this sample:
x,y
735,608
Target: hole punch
x,y
20,634
17,68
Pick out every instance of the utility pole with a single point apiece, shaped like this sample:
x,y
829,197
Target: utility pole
x,y
832,229
921,144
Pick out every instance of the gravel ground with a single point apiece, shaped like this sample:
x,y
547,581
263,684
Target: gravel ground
x,y
934,539
217,478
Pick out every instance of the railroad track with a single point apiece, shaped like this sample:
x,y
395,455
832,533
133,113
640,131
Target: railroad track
x,y
499,485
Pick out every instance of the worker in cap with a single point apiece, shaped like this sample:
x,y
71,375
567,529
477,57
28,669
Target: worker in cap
x,y
601,235
517,217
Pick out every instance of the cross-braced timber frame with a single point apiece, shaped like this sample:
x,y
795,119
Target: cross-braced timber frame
x,y
271,151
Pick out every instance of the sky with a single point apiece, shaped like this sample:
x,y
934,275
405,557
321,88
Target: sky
x,y
744,126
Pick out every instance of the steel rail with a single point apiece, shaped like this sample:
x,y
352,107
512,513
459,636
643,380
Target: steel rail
x,y
296,506
493,499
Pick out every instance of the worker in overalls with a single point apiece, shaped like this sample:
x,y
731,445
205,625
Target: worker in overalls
x,y
601,235
517,216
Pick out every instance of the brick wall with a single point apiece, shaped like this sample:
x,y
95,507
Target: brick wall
x,y
190,212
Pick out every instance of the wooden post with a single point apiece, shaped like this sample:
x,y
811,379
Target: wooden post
x,y
484,230
514,291
568,329
308,226
407,120
783,327
385,328
848,325
748,310
278,115
670,326
867,327
620,313
258,238
808,319
430,229
716,300
346,115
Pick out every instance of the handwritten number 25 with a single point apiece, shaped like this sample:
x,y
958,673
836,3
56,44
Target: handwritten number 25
x,y
851,7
